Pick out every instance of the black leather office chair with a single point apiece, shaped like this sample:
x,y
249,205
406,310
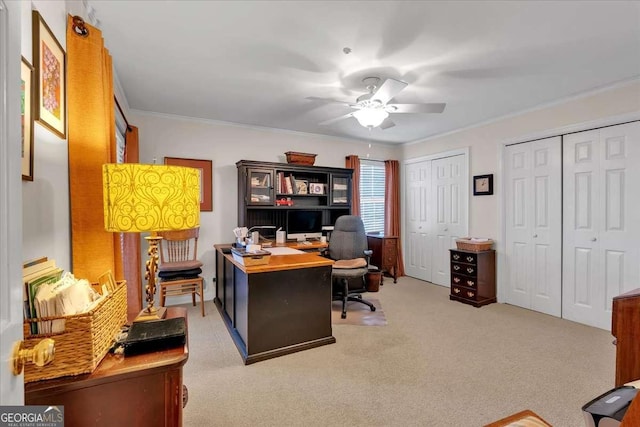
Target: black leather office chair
x,y
348,247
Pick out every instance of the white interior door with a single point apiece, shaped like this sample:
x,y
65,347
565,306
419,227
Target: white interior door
x,y
417,240
11,387
600,227
533,240
449,192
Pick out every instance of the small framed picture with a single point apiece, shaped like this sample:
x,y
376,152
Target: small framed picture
x,y
483,185
26,110
302,186
316,188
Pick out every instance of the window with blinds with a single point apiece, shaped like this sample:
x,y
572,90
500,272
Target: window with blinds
x,y
372,195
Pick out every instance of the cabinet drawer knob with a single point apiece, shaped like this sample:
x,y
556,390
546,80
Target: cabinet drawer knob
x,y
470,294
470,282
469,270
456,290
469,258
456,256
456,267
456,279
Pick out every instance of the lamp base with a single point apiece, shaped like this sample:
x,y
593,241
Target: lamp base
x,y
157,313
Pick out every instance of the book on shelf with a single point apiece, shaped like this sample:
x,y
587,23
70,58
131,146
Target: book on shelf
x,y
294,185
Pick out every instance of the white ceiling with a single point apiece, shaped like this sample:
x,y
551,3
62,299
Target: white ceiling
x,y
255,63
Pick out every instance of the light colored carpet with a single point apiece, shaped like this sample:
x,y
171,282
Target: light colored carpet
x,y
437,363
358,314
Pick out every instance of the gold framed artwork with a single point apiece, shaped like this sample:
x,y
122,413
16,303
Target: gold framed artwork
x,y
206,181
26,115
49,61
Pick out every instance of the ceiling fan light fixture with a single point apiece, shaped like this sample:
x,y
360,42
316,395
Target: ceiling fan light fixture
x,y
370,117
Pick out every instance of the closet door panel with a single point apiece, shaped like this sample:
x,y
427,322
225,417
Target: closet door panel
x,y
533,225
449,183
601,256
418,242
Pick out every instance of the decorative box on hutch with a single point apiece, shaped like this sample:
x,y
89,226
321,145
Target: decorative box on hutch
x,y
85,341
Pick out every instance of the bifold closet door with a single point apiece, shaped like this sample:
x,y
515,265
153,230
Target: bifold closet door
x,y
533,239
418,243
601,230
449,192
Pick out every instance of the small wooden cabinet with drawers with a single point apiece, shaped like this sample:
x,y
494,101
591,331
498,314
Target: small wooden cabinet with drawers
x,y
473,277
385,253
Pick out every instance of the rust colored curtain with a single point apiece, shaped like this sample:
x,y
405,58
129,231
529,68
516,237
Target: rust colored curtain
x,y
91,143
131,241
353,162
392,207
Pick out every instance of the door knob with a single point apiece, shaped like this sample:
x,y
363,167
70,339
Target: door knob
x,y
42,354
535,235
593,239
446,229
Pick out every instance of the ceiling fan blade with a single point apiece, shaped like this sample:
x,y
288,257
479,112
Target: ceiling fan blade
x,y
328,122
416,108
330,101
387,123
389,89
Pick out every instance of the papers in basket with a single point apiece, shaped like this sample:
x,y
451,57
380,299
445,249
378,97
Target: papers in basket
x,y
66,297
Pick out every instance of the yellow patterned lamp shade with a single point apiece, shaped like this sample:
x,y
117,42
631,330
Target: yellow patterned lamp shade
x,y
141,197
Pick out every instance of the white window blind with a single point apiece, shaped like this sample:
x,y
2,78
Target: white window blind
x,y
372,195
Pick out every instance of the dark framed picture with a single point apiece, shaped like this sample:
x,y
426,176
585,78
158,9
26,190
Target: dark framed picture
x,y
50,65
206,179
26,113
483,185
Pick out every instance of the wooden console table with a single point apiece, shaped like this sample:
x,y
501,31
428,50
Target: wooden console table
x,y
143,390
275,309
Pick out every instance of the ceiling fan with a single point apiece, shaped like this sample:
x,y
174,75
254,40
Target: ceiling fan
x,y
372,109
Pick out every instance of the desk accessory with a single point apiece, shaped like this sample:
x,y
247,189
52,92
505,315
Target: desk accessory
x,y
139,198
147,337
250,258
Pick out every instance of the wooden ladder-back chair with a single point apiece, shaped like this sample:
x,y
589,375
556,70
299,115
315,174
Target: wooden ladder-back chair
x,y
179,268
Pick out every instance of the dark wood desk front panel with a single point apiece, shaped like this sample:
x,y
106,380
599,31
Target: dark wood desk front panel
x,y
142,391
276,309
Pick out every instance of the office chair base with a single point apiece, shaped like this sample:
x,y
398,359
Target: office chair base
x,y
355,298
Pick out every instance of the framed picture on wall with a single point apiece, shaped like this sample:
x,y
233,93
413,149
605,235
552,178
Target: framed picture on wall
x,y
50,66
26,115
206,181
483,185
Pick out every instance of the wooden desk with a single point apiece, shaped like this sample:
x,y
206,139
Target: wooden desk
x,y
275,309
141,391
312,246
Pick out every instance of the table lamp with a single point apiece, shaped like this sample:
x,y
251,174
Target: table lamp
x,y
150,198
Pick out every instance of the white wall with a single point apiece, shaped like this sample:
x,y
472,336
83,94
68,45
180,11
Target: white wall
x,y
225,144
486,142
45,200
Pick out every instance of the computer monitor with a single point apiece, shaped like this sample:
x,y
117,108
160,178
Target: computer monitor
x,y
304,224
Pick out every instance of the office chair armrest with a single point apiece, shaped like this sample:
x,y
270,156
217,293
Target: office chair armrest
x,y
367,255
324,252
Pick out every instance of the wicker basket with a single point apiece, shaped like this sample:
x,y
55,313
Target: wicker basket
x,y
466,244
300,158
85,341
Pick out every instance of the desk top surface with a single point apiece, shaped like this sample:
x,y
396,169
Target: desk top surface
x,y
283,262
117,365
